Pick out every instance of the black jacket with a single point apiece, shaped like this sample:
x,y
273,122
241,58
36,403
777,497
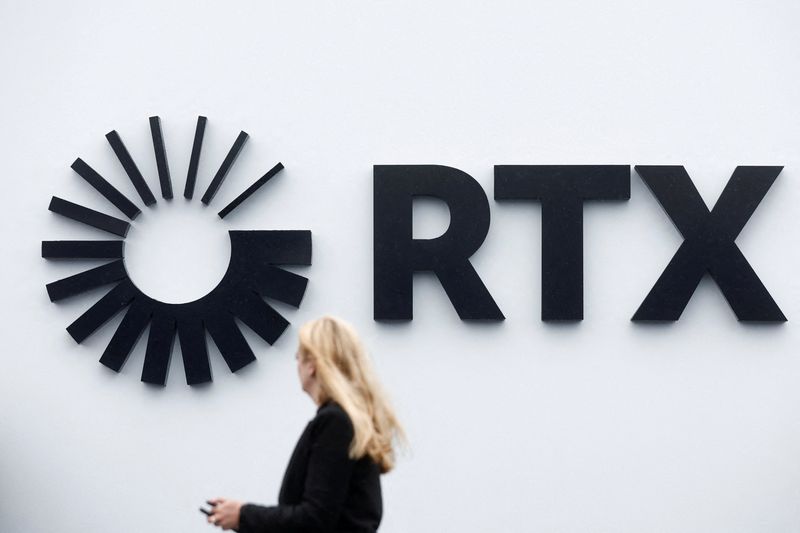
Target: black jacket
x,y
323,490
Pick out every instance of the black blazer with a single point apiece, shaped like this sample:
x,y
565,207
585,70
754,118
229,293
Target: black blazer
x,y
323,490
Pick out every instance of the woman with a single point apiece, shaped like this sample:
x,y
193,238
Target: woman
x,y
332,482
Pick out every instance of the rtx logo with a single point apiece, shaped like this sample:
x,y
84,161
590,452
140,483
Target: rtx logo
x,y
257,256
709,237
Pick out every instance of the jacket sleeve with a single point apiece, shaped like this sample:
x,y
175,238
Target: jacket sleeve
x,y
327,479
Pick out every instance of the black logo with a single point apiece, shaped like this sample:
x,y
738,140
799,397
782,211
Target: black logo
x,y
253,272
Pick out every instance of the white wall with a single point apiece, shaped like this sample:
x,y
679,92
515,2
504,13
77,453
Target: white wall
x,y
601,426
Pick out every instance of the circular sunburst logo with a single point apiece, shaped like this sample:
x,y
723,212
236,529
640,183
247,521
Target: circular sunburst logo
x,y
254,272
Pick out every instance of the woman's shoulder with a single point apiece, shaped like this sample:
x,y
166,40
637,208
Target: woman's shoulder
x,y
331,409
330,413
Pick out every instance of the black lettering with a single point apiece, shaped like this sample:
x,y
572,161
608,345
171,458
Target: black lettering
x,y
397,255
708,244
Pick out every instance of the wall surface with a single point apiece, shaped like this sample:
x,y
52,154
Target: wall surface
x,y
598,426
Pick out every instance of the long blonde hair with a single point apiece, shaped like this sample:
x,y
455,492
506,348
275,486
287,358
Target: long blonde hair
x,y
345,375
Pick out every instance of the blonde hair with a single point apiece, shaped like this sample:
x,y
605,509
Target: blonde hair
x,y
345,375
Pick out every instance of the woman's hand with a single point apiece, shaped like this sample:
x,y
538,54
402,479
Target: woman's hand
x,y
225,513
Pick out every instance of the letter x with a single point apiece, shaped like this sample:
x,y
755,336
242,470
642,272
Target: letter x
x,y
709,243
